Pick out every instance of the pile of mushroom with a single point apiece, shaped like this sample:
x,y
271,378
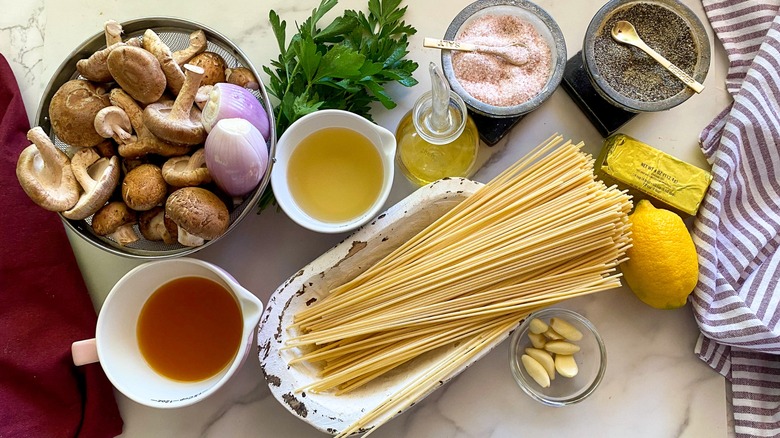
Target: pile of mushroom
x,y
139,150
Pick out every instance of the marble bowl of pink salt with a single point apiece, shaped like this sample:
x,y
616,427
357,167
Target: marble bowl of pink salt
x,y
521,62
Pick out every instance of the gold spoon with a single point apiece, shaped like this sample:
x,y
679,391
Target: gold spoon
x,y
625,32
504,52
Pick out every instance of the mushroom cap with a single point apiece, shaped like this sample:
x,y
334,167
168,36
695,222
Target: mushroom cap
x,y
45,174
198,211
187,171
214,66
98,177
242,77
144,187
112,216
138,72
72,112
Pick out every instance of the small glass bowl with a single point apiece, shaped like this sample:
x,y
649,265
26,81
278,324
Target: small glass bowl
x,y
529,12
591,361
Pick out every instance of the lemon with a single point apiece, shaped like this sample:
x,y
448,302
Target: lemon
x,y
662,268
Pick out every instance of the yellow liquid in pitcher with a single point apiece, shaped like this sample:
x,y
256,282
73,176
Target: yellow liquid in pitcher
x,y
422,162
335,174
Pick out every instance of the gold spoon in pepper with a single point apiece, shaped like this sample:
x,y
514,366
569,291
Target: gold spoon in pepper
x,y
625,32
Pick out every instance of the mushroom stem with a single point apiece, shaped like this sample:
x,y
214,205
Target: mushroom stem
x,y
186,98
115,221
173,73
52,157
97,176
124,235
113,31
113,122
187,171
45,173
81,162
197,45
179,123
188,239
146,143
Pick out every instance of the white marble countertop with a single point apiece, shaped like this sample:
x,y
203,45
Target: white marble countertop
x,y
654,385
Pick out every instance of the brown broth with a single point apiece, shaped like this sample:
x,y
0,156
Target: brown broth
x,y
190,329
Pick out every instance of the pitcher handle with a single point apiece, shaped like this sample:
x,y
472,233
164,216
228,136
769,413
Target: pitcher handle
x,y
84,352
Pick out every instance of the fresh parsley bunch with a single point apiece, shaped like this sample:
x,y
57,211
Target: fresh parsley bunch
x,y
342,66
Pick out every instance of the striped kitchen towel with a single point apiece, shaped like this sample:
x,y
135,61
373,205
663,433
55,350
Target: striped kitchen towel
x,y
737,230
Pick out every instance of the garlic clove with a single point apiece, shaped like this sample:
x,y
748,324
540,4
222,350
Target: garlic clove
x,y
561,347
536,371
544,358
537,326
565,329
566,365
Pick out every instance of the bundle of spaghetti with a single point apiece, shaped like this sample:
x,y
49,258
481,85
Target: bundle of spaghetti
x,y
543,231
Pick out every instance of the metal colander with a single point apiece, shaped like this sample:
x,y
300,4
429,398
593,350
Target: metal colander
x,y
176,34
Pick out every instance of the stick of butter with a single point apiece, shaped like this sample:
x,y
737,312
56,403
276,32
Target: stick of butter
x,y
648,173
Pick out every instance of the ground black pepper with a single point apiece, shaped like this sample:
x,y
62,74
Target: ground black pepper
x,y
633,73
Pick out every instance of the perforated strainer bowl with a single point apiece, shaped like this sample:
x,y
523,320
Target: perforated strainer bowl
x,y
175,33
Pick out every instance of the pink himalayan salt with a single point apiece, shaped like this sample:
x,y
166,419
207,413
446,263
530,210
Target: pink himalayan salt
x,y
490,78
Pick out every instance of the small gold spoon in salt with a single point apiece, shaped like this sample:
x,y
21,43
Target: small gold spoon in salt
x,y
504,52
625,32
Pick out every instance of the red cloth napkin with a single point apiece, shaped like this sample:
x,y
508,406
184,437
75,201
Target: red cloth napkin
x,y
44,307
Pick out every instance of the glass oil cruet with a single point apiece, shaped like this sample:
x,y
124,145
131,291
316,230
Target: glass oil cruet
x,y
437,138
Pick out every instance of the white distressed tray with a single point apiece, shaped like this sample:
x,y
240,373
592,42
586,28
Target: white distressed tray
x,y
328,412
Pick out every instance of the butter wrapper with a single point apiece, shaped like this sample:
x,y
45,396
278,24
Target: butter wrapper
x,y
648,173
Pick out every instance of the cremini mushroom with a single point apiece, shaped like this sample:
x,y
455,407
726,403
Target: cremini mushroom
x,y
138,72
180,123
95,68
144,187
146,142
115,221
197,45
112,122
153,226
106,148
45,174
173,73
98,178
72,112
213,66
243,77
199,215
187,171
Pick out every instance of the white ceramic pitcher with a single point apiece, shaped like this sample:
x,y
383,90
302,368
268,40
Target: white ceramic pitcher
x,y
116,345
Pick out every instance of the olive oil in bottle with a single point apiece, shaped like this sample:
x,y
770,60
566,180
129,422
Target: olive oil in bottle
x,y
437,138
